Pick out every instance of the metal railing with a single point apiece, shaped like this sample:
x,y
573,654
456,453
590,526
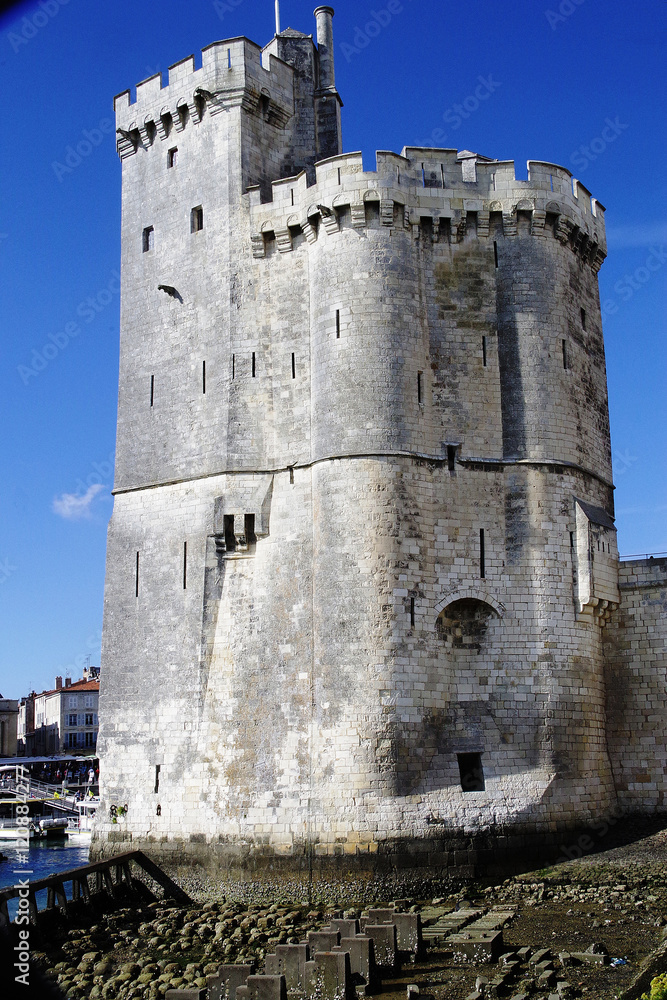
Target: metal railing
x,y
102,875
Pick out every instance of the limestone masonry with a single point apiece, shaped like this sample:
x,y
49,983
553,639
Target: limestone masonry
x,y
362,599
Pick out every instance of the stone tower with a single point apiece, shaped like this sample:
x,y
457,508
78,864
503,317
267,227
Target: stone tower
x,y
363,548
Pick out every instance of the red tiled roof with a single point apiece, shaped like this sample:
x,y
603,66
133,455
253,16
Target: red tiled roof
x,y
76,686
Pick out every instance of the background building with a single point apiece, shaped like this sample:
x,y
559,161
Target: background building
x,y
9,712
65,718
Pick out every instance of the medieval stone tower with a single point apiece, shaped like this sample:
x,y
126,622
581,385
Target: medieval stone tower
x,y
363,549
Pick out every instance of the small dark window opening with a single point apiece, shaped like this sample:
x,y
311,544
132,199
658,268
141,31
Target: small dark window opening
x,y
152,389
172,156
571,539
339,175
471,772
583,319
233,365
420,387
249,529
565,359
292,193
423,176
442,174
229,58
230,537
482,554
293,365
136,577
412,612
185,565
197,219
158,811
451,457
148,239
291,475
157,778
253,364
484,351
337,323
495,252
203,377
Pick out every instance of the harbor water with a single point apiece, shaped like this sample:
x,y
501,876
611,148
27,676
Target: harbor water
x,y
45,857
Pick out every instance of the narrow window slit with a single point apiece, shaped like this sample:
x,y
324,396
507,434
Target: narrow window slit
x,y
249,529
172,156
482,554
484,351
495,253
292,194
152,389
339,179
157,778
451,457
229,58
203,377
185,565
583,319
197,219
291,475
337,324
148,239
253,364
293,365
442,174
412,612
230,537
423,176
565,358
420,387
233,365
136,577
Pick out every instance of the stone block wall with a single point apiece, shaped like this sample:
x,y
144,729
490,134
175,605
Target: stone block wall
x,y
636,658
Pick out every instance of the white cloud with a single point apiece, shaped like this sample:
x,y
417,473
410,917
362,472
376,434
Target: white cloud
x,y
73,507
627,237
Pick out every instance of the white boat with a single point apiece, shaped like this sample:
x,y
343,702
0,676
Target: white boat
x,y
80,828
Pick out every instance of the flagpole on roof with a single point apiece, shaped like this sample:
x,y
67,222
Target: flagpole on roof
x,y
277,17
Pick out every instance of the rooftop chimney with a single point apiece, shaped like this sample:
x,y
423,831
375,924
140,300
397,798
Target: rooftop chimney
x,y
324,17
68,681
59,683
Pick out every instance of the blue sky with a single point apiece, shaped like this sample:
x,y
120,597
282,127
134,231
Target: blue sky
x,y
575,82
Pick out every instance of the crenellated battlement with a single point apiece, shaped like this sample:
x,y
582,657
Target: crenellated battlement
x,y
444,186
232,74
